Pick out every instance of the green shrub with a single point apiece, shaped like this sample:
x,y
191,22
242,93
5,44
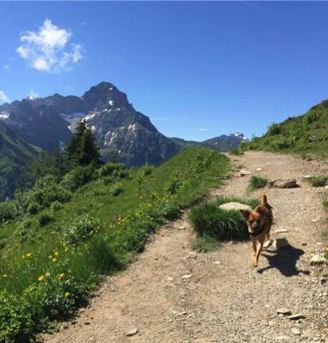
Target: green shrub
x,y
318,181
33,208
173,185
146,170
257,182
116,189
80,229
236,152
274,129
23,228
78,177
56,206
205,244
115,170
8,210
209,220
44,218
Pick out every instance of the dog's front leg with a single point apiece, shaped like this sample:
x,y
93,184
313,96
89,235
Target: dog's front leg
x,y
258,252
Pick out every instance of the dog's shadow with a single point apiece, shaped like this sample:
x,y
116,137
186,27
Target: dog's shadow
x,y
284,259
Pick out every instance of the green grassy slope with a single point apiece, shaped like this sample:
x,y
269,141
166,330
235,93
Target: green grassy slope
x,y
305,134
51,260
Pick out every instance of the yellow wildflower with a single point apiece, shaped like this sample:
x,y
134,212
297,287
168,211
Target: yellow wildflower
x,y
4,275
40,278
56,253
29,254
66,249
54,260
50,257
66,294
47,274
326,249
61,275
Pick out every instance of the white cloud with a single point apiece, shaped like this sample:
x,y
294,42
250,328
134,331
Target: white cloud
x,y
3,97
202,129
33,95
49,49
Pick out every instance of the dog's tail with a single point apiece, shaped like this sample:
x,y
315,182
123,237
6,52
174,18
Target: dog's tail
x,y
264,201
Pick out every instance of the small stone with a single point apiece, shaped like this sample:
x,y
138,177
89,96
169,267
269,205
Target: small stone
x,y
259,169
131,332
281,231
296,331
185,277
308,176
282,338
318,259
244,172
234,206
296,316
217,262
170,278
284,311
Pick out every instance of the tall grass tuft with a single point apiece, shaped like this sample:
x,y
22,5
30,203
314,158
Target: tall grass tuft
x,y
318,181
209,220
236,152
257,182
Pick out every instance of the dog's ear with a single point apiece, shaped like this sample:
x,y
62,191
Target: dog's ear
x,y
245,214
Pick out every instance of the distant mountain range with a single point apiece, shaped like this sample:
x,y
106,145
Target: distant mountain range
x,y
118,127
45,122
222,143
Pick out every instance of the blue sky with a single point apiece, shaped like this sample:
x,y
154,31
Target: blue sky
x,y
197,69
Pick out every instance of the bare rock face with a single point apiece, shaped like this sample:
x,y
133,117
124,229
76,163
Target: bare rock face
x,y
283,183
235,206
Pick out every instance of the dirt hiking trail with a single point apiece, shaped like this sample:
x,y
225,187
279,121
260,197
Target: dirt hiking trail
x,y
171,294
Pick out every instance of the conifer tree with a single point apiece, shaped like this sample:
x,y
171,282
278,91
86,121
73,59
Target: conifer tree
x,y
82,149
89,150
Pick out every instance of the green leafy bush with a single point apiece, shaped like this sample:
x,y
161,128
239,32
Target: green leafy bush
x,y
56,206
274,129
115,170
146,170
80,229
116,189
44,218
78,177
8,210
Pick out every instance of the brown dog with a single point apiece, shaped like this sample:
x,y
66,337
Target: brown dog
x,y
259,223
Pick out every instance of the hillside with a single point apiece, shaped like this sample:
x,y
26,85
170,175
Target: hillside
x,y
306,134
66,233
117,126
14,154
173,294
